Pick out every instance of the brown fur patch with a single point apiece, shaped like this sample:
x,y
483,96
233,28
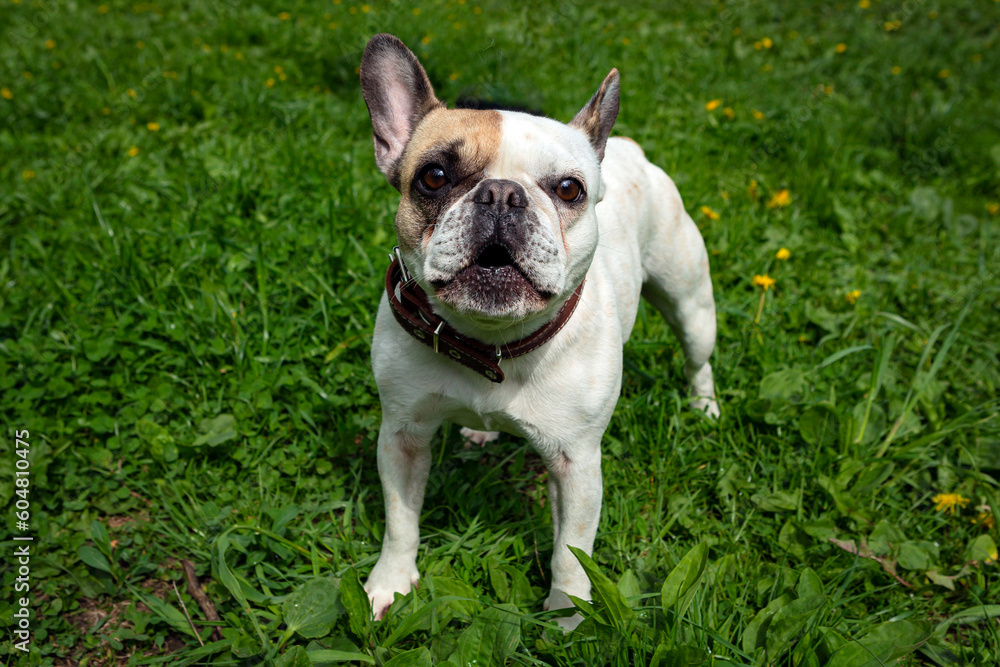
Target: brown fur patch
x,y
469,140
630,139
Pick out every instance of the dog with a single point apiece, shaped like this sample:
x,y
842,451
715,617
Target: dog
x,y
524,245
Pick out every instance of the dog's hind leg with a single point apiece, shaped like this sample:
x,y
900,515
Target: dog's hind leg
x,y
478,437
678,284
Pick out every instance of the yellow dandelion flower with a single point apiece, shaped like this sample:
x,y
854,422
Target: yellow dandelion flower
x,y
993,208
332,25
269,83
864,4
737,32
724,195
896,69
985,518
27,75
752,189
626,41
828,89
170,74
891,26
932,15
780,199
140,44
153,126
416,11
477,10
453,76
207,48
767,43
238,55
783,254
6,94
759,115
352,9
131,92
425,40
853,296
712,105
709,213
729,113
50,44
282,76
106,111
284,16
767,68
944,74
840,48
456,25
27,174
278,69
103,9
758,45
765,281
947,502
132,152
365,9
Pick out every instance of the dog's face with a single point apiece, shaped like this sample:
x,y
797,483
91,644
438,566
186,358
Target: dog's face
x,y
496,218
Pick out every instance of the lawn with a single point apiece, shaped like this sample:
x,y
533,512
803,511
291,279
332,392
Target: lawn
x,y
194,237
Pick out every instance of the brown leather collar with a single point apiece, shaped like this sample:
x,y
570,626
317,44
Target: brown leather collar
x,y
414,313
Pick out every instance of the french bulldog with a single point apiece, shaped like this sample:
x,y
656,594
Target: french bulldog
x,y
524,245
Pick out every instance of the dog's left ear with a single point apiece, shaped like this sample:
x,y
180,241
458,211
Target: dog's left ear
x,y
595,119
398,94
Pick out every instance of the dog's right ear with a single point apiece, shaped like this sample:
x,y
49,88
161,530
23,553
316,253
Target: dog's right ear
x,y
398,94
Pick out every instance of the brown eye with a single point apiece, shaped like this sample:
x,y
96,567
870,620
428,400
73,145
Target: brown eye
x,y
434,178
568,190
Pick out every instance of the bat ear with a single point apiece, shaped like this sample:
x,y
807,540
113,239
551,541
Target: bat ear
x,y
398,94
596,119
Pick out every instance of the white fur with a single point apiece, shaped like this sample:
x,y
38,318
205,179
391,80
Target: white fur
x,y
637,241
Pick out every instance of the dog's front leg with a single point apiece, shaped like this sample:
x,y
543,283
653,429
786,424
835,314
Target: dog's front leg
x,y
404,459
575,489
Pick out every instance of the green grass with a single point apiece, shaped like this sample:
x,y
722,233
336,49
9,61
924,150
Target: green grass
x,y
185,333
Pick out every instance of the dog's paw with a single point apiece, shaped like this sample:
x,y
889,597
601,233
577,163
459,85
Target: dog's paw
x,y
385,582
707,405
479,437
559,600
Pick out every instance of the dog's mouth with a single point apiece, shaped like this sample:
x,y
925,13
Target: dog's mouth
x,y
493,284
493,256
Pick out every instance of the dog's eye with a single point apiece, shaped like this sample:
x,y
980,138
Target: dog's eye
x,y
569,190
433,177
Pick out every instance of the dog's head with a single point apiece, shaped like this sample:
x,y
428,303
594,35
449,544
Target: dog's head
x,y
496,219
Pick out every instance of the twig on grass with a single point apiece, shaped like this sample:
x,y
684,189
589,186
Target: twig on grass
x,y
194,590
186,614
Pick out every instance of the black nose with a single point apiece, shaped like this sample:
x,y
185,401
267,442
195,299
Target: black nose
x,y
500,195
